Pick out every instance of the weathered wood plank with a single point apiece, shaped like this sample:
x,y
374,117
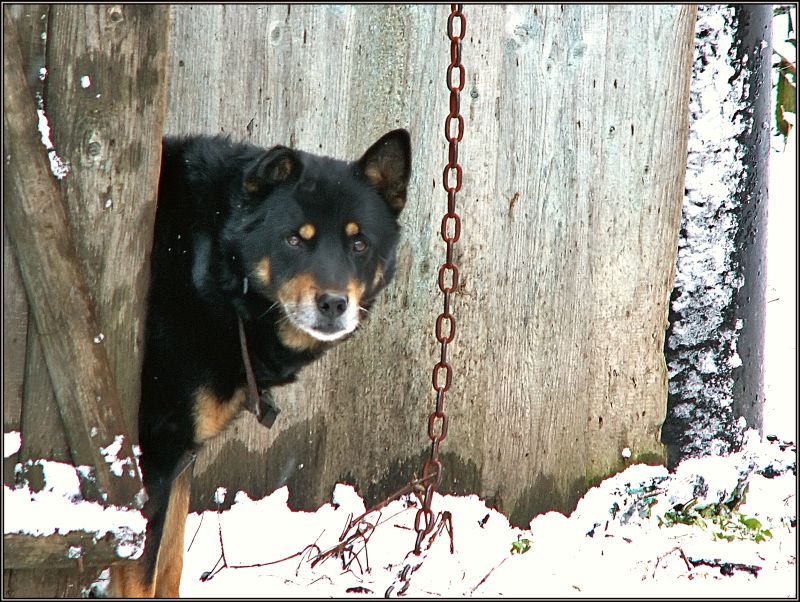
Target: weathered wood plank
x,y
39,232
72,550
57,583
574,155
105,97
42,426
15,335
31,20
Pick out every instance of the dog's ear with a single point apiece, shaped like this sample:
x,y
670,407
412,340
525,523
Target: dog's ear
x,y
279,165
387,166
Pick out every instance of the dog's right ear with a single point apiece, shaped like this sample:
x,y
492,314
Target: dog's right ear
x,y
279,165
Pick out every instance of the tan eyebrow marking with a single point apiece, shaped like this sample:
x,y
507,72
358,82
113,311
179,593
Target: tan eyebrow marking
x,y
351,229
307,231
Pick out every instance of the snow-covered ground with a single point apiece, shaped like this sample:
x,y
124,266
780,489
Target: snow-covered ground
x,y
623,539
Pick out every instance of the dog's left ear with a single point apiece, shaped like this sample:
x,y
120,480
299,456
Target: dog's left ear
x,y
387,166
279,165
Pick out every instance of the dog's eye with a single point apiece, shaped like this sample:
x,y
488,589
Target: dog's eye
x,y
359,244
294,240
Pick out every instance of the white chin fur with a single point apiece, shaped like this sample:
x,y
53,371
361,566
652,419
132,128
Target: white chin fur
x,y
302,317
325,336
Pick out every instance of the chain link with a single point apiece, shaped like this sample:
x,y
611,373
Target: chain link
x,y
448,272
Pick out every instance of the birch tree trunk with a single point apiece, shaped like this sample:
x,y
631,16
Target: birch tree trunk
x,y
574,157
715,343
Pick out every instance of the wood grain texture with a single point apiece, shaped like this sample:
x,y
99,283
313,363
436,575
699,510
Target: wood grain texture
x,y
105,97
574,156
15,334
40,235
111,201
31,21
22,551
56,583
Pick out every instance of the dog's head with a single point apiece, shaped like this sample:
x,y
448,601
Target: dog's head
x,y
316,237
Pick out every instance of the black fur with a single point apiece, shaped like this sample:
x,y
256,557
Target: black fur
x,y
223,207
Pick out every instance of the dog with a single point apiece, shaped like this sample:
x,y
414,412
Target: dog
x,y
291,247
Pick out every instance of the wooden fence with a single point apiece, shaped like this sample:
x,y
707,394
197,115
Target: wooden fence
x,y
76,254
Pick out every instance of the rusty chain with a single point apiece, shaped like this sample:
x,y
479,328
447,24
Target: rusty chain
x,y
448,273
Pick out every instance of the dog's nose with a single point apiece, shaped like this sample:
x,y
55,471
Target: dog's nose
x,y
331,305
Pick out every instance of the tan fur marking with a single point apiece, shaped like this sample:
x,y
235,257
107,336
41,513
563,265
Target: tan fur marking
x,y
296,339
355,290
127,581
251,186
307,231
169,564
378,276
302,286
351,229
374,175
212,414
283,170
264,271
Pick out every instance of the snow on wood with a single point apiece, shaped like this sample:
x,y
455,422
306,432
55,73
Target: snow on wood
x,y
12,441
58,166
58,509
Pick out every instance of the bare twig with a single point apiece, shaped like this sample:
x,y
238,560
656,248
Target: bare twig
x,y
414,486
482,581
786,63
191,543
689,565
445,521
362,534
364,529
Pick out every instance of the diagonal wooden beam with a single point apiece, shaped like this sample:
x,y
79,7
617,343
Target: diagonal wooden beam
x,y
39,231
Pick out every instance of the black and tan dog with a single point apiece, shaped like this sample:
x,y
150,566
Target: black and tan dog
x,y
293,246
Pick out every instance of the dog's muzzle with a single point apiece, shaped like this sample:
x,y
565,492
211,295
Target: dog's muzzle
x,y
329,316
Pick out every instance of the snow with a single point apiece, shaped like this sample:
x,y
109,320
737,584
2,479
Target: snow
x,y
85,82
12,441
219,495
780,348
59,508
111,456
57,165
613,536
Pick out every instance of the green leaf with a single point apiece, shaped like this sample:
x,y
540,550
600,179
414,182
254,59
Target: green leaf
x,y
751,523
520,546
786,102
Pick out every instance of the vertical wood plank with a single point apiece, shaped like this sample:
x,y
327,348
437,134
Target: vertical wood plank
x,y
106,99
31,22
574,155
